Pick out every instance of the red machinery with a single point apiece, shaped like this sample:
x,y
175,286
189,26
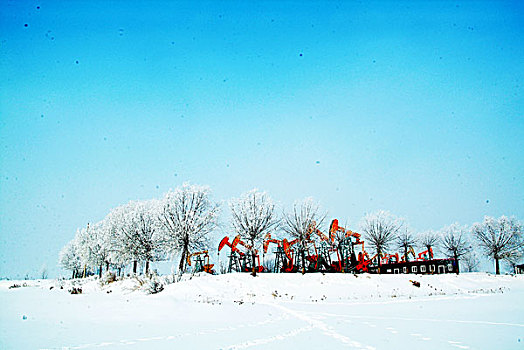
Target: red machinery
x,y
404,257
390,258
224,242
426,255
327,247
201,264
342,237
242,259
313,229
282,263
287,247
334,228
364,261
289,265
268,239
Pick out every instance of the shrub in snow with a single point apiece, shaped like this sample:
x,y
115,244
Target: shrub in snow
x,y
108,277
149,285
153,286
75,290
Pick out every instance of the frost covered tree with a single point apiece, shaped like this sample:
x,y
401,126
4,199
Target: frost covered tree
x,y
514,260
187,216
380,230
133,229
91,247
429,240
111,240
253,216
69,259
297,223
455,242
405,240
501,239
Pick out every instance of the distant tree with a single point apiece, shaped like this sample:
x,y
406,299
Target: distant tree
x,y
44,272
187,217
514,260
470,262
69,258
296,224
429,240
501,239
455,242
380,230
405,240
253,216
91,247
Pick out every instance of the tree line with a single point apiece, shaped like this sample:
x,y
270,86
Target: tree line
x,y
182,221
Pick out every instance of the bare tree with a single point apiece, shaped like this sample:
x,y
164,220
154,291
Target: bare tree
x,y
44,272
380,230
501,239
187,216
514,260
405,240
429,240
455,242
253,216
297,224
471,262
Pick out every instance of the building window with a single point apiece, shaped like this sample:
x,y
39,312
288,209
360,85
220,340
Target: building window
x,y
405,269
450,267
388,270
431,268
423,268
396,270
414,269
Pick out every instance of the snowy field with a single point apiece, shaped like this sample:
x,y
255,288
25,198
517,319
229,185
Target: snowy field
x,y
271,311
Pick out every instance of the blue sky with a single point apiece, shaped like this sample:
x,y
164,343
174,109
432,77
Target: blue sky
x,y
413,107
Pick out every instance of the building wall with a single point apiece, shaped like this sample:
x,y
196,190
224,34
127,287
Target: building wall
x,y
435,266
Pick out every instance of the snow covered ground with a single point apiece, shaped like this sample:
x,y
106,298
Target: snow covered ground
x,y
271,311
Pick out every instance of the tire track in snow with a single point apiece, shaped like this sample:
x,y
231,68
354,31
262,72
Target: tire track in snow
x,y
263,341
456,344
488,323
177,336
327,330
